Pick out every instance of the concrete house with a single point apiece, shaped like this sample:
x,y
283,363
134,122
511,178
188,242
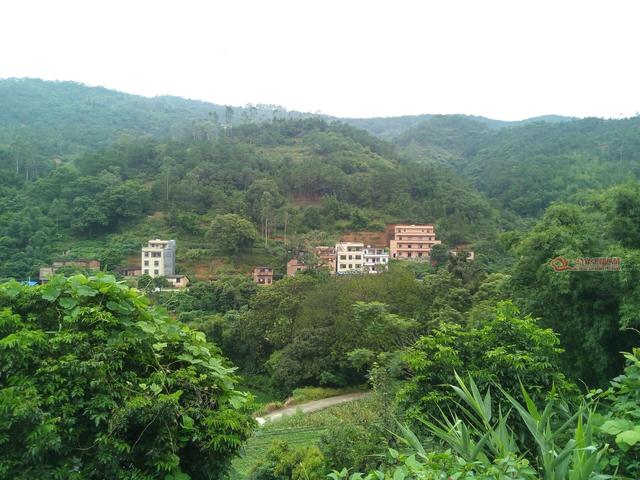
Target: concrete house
x,y
159,258
326,257
263,275
349,257
295,265
413,242
376,259
48,272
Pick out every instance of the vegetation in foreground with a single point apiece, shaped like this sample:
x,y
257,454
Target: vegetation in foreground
x,y
95,384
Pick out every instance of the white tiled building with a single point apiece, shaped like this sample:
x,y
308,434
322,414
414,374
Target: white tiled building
x,y
349,257
159,258
376,259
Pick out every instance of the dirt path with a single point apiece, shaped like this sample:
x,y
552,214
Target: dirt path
x,y
311,406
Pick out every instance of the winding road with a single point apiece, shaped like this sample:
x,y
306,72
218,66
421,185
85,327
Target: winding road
x,y
310,407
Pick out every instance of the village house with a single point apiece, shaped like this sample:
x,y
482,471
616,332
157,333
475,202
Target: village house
x,y
48,272
349,257
376,259
326,258
130,271
159,258
413,242
263,275
296,265
178,281
465,250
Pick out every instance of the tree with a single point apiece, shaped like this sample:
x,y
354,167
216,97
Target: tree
x,y
231,233
95,384
583,307
507,350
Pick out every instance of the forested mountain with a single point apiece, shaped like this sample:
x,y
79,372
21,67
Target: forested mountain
x,y
58,118
525,168
296,176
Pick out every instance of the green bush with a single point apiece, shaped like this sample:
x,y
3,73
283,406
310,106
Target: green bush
x,y
95,384
285,462
506,350
619,423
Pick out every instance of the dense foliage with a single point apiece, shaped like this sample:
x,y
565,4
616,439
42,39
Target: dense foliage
x,y
525,168
95,384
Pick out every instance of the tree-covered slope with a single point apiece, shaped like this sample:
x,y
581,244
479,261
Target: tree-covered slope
x,y
525,168
295,176
58,118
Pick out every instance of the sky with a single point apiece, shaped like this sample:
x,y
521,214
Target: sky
x,y
508,60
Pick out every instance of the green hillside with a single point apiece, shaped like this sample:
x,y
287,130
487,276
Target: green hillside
x,y
525,168
61,118
304,176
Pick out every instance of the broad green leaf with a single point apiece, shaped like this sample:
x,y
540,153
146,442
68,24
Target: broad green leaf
x,y
67,302
627,439
50,292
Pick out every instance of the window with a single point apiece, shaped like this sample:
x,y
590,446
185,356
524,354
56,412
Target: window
x,y
409,255
156,263
358,257
350,265
146,271
409,246
146,263
350,257
343,257
155,272
146,254
419,254
343,265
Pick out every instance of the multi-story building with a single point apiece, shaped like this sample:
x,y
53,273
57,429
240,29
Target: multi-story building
x,y
349,257
263,275
413,242
159,258
376,259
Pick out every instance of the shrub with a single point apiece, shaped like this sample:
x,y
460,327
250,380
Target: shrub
x,y
506,350
95,384
286,462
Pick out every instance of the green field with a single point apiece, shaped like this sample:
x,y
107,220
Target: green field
x,y
258,445
297,430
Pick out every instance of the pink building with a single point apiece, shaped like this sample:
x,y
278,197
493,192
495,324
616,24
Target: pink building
x,y
413,242
294,266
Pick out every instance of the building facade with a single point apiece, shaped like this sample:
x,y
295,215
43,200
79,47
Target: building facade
x,y
349,257
178,281
376,259
159,258
413,242
48,272
295,265
263,275
326,258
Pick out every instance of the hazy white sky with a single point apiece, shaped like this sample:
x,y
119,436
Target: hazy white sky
x,y
506,59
